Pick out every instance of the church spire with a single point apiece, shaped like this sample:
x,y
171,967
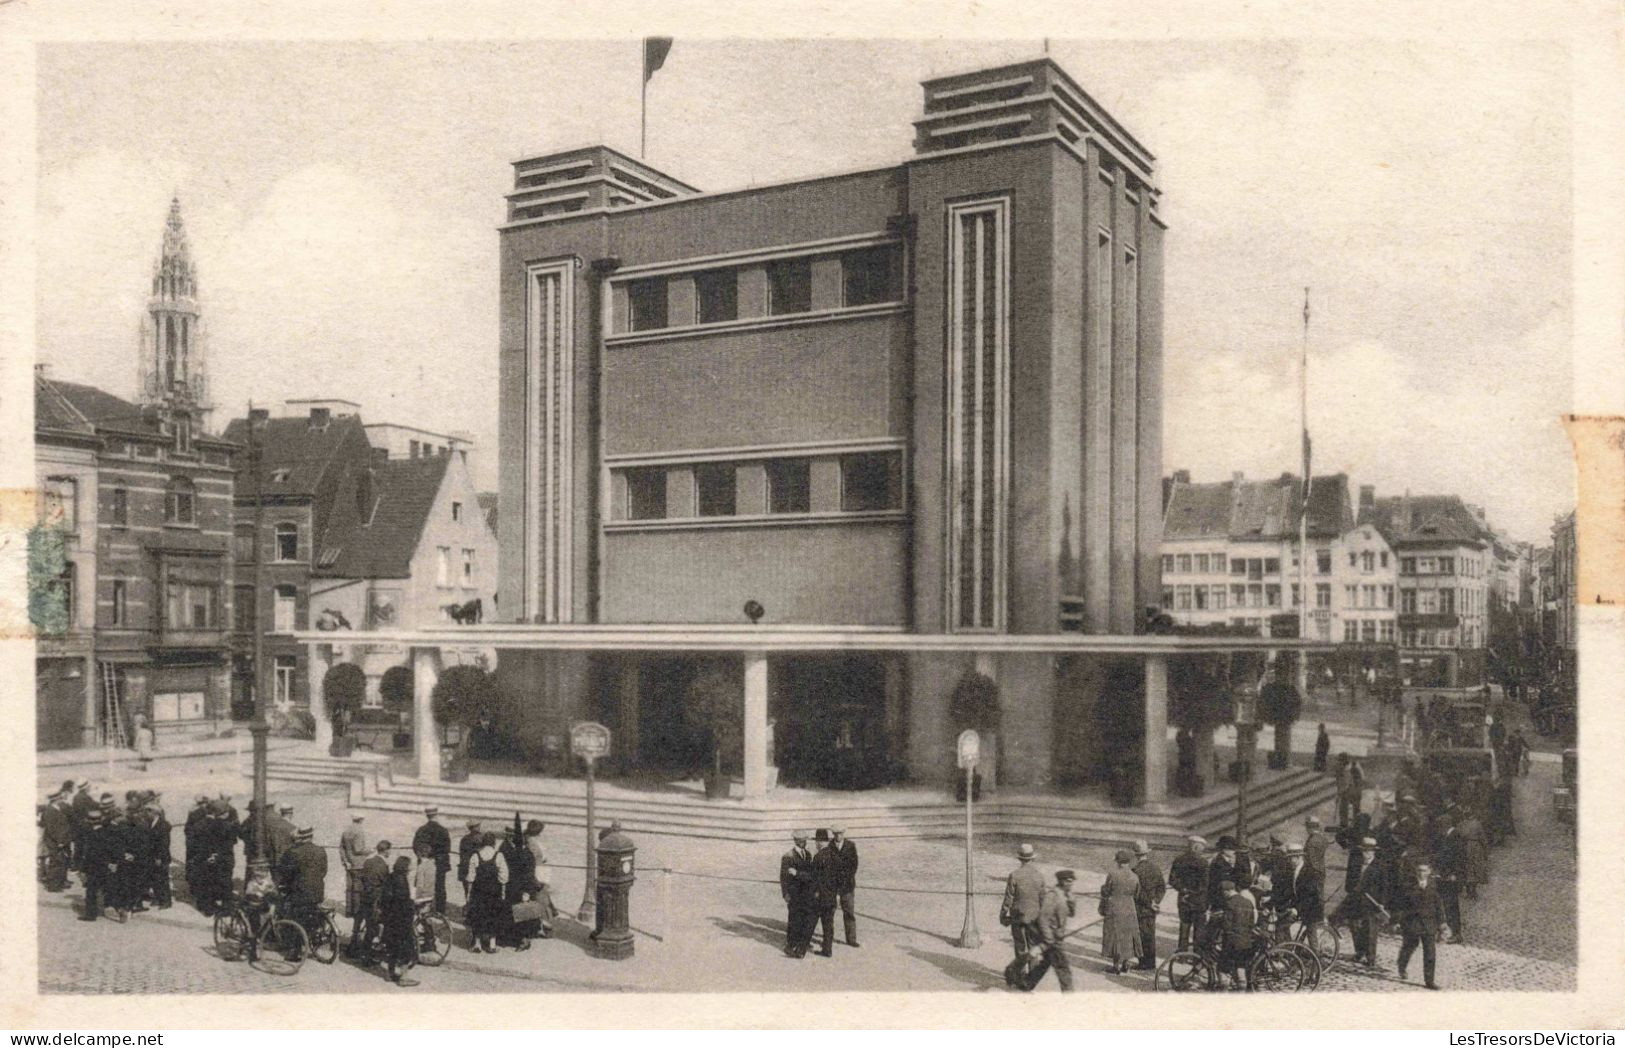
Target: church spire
x,y
172,359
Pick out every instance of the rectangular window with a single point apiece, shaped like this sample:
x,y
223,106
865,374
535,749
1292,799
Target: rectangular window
x,y
1447,602
1447,565
1217,594
191,605
1297,595
1351,596
1385,631
121,508
1354,559
1167,596
1272,566
1323,594
1255,596
716,296
1368,631
716,494
287,666
1323,562
789,486
645,494
468,567
284,609
120,614
646,301
1255,568
789,286
59,503
242,609
1407,565
1388,597
1351,632
442,566
243,544
456,512
1368,562
871,482
1167,563
413,448
1199,595
180,506
1182,598
1383,559
1272,596
1238,596
1238,566
1427,602
1368,596
871,276
287,542
1407,602
1184,563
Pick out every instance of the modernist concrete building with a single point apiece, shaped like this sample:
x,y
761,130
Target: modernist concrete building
x,y
923,399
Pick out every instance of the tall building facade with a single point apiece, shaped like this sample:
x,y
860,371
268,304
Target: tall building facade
x,y
920,398
159,599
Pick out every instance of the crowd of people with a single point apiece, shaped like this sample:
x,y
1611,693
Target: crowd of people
x,y
122,854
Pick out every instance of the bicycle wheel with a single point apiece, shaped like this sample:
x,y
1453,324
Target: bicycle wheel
x,y
282,947
1312,967
433,933
1276,970
231,936
1184,971
324,945
1324,940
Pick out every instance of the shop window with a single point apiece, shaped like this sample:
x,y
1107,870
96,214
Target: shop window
x,y
645,494
871,482
714,490
716,296
789,486
646,300
871,276
789,286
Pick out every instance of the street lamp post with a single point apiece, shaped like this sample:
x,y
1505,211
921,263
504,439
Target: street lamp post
x,y
970,750
259,728
1245,726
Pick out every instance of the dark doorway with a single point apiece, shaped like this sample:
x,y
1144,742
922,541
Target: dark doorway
x,y
830,722
668,741
59,703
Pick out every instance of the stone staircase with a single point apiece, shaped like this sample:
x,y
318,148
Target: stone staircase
x,y
373,785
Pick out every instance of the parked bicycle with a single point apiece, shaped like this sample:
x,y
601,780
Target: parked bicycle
x,y
1272,967
271,939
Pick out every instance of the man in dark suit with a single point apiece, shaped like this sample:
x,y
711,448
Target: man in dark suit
x,y
79,818
1053,914
438,840
846,864
1227,865
370,879
1452,863
1240,922
1315,843
56,837
1147,903
796,880
1188,877
467,848
826,889
1420,924
96,863
1367,908
279,833
301,874
1299,892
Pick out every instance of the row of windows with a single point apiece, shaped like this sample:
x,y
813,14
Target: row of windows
x,y
59,503
1437,566
1268,595
869,276
1257,567
870,482
1424,638
1368,631
442,568
1441,601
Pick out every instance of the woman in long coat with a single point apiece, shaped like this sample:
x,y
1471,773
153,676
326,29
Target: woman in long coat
x,y
1476,857
1120,939
487,910
396,912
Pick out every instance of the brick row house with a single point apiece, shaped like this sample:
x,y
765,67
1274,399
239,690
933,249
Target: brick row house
x,y
155,504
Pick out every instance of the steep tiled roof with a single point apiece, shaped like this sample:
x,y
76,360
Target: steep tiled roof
x,y
1424,518
54,411
295,456
380,545
103,410
1256,508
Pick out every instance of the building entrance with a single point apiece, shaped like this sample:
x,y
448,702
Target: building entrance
x,y
830,722
670,740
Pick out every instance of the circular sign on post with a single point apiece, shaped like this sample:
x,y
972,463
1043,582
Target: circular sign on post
x,y
970,747
589,740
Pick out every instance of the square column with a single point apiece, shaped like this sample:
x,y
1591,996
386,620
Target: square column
x,y
321,659
425,739
1156,729
755,725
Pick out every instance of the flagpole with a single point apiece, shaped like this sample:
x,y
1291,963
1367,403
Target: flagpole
x,y
1303,518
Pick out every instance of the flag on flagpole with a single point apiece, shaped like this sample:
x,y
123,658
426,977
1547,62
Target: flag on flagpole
x,y
655,49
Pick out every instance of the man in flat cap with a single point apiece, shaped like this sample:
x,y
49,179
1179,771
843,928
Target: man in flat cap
x,y
1048,952
467,848
437,839
796,884
1188,877
1148,903
1023,898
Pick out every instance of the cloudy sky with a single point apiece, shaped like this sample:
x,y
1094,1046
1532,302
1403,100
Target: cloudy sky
x,y
342,203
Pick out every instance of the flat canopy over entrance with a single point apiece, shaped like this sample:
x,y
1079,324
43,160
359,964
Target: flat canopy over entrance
x,y
787,638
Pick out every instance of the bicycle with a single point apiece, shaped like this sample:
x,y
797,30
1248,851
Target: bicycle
x,y
1272,968
1278,933
431,937
279,946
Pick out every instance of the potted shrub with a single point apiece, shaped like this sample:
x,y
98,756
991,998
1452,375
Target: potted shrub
x,y
344,687
1198,703
396,690
458,695
716,706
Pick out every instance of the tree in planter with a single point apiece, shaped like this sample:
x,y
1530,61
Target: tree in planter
x,y
458,696
716,706
344,687
1279,705
1199,702
396,689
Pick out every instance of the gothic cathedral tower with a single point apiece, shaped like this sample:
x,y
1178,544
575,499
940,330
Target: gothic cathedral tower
x,y
173,374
